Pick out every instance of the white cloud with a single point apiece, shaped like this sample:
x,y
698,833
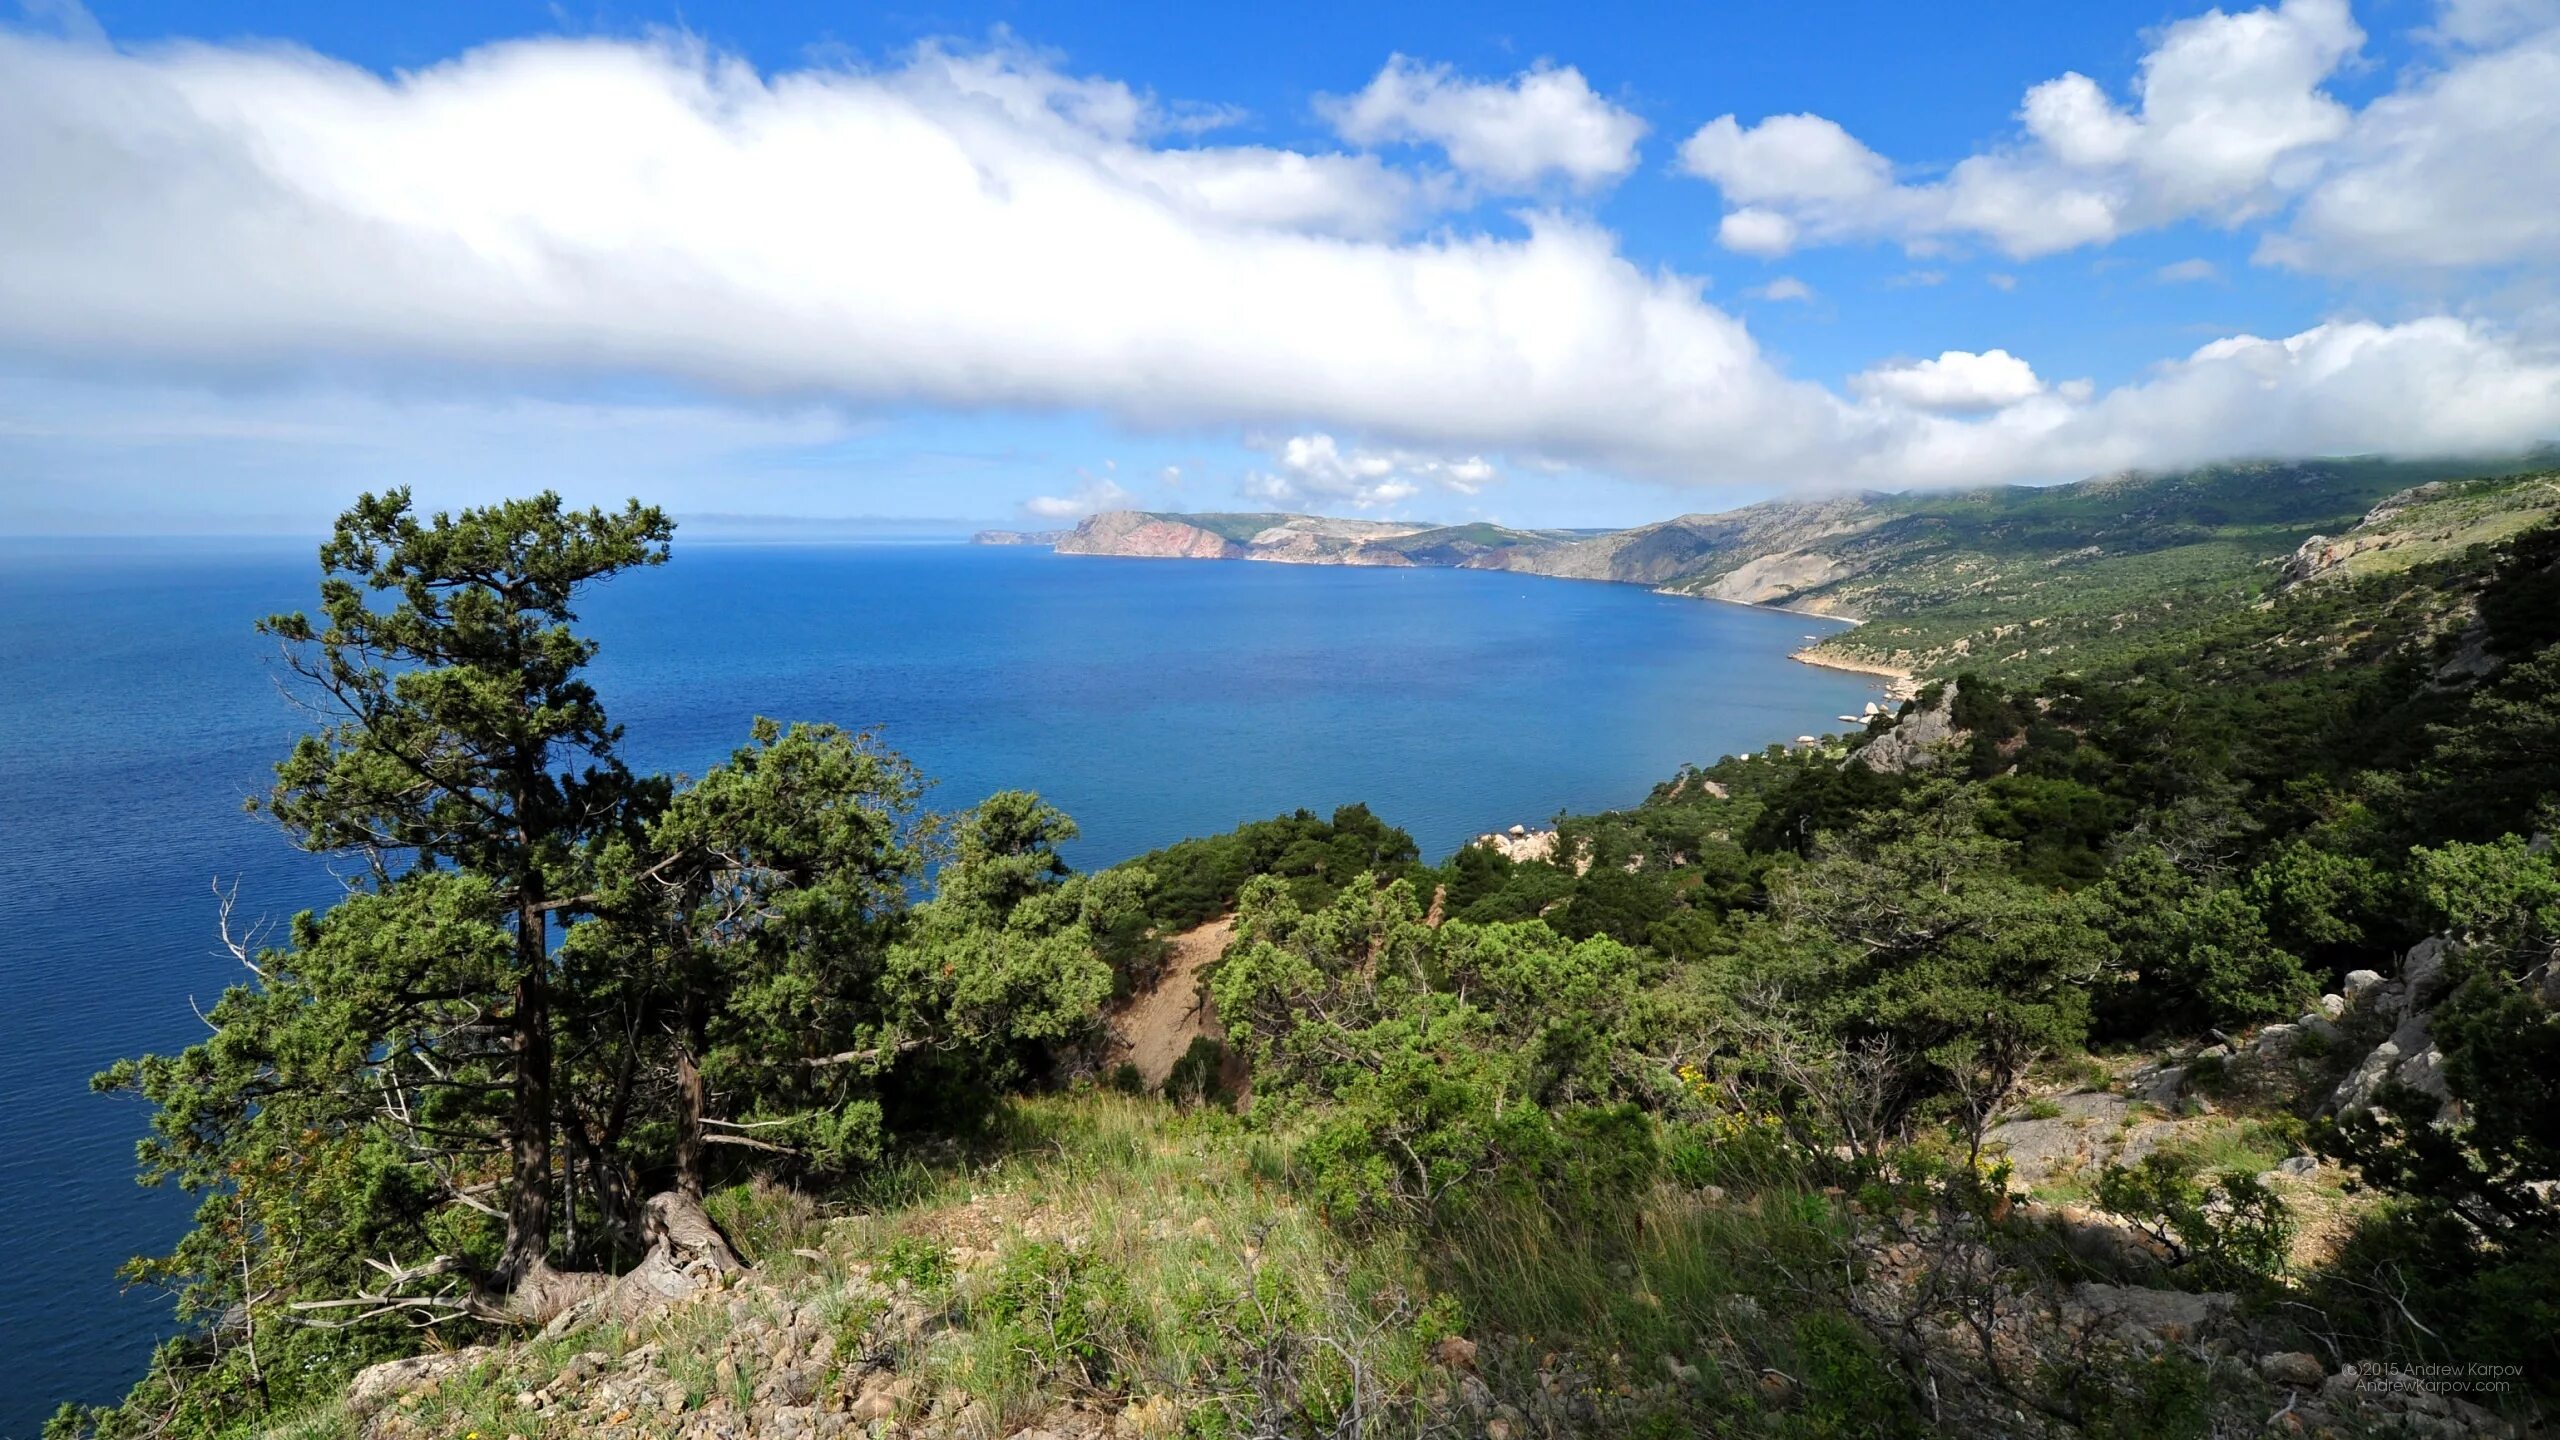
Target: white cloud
x,y
1753,231
1543,122
1784,158
1097,493
984,232
2458,168
2226,115
2188,272
2000,281
1785,287
1957,380
2480,23
2438,386
1315,470
972,231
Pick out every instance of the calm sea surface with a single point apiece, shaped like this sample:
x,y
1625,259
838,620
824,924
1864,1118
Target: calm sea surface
x,y
1150,699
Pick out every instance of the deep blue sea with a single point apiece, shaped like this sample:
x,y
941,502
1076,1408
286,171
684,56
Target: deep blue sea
x,y
1150,699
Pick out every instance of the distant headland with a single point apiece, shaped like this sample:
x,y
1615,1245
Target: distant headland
x,y
1994,579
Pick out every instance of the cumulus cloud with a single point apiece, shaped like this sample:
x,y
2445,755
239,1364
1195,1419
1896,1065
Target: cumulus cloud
x,y
1543,122
1957,380
2188,272
2437,386
1316,470
985,231
1096,494
2458,168
2226,112
1784,159
975,231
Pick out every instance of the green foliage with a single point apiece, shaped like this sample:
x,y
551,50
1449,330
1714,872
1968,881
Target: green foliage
x,y
2218,1232
1913,932
1199,1077
560,983
1434,1064
2190,955
1196,881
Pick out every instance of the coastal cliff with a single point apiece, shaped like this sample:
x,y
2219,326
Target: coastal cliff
x,y
2011,579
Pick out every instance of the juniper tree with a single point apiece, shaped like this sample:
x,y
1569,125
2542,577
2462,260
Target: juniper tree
x,y
460,735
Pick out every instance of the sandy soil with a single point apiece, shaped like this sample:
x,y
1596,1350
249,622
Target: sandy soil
x,y
1156,1026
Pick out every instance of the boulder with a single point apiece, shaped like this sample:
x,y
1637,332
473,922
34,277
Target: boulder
x,y
2422,970
2274,1040
2143,1319
378,1385
2297,1368
1914,741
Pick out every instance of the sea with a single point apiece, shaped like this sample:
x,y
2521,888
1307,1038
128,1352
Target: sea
x,y
1150,699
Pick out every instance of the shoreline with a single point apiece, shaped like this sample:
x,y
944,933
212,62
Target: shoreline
x,y
1900,683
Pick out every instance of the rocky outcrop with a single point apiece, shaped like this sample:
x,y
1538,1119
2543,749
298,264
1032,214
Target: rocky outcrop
x,y
1776,579
1695,553
1520,844
2409,1056
1131,532
1312,540
1916,741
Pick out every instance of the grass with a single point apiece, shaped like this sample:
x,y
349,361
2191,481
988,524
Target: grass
x,y
1111,1255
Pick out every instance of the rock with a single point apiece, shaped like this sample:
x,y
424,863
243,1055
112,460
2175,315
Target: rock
x,y
1914,741
2359,981
1457,1352
2332,1006
2315,1024
883,1401
2355,1094
2038,1148
1153,1417
2424,1072
2274,1040
2298,1166
2293,1367
2161,1086
2095,1237
2145,1319
2214,1052
2422,970
379,1385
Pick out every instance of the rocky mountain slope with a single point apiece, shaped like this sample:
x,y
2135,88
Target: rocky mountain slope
x,y
1961,579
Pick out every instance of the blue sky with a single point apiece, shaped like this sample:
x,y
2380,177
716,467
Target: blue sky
x,y
962,264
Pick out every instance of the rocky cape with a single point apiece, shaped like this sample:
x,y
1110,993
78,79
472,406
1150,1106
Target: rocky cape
x,y
1984,579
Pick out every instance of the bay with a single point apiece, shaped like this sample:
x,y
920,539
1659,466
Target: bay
x,y
1150,699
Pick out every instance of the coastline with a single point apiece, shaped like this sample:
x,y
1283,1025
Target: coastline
x,y
1901,684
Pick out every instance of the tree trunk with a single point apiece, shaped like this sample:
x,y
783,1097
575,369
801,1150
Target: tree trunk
x,y
528,1242
691,1101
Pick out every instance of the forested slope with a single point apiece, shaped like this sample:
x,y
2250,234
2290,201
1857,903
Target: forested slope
x,y
2148,1040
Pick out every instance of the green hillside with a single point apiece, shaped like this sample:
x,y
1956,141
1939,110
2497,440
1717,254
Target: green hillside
x,y
2147,1040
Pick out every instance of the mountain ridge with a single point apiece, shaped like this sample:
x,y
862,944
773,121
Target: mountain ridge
x,y
1935,579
